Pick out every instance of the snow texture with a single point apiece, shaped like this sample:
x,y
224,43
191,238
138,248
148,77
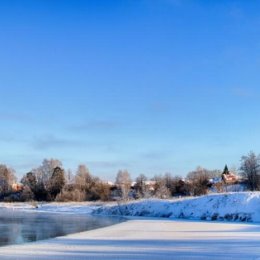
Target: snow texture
x,y
147,239
55,207
157,238
243,206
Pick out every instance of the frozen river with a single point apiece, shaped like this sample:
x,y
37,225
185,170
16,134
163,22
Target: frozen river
x,y
147,239
18,227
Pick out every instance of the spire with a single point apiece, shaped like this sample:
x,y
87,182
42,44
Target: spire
x,y
226,171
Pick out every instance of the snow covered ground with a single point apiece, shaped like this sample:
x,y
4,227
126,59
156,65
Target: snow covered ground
x,y
147,239
242,206
143,238
54,207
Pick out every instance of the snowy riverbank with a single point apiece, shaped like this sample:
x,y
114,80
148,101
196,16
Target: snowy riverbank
x,y
244,206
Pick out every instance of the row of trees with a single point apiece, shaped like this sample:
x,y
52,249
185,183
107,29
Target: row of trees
x,y
51,182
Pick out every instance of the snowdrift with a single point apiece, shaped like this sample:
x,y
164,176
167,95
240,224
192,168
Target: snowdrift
x,y
244,206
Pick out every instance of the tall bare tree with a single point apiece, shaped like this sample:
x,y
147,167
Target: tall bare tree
x,y
141,187
199,181
250,169
7,178
123,181
160,188
83,178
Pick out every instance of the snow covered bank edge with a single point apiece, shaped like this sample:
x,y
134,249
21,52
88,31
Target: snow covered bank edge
x,y
241,207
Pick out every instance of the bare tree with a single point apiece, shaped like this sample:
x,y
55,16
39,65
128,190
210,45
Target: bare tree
x,y
83,178
160,189
92,187
104,191
141,187
199,181
69,176
250,169
123,181
7,178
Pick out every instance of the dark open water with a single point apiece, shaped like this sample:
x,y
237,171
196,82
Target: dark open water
x,y
18,227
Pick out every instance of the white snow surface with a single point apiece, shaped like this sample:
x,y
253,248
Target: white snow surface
x,y
54,207
242,206
154,238
147,239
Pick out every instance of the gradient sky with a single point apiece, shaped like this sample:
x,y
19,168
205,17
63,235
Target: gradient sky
x,y
150,86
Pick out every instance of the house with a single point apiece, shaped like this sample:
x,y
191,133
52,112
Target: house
x,y
16,187
230,178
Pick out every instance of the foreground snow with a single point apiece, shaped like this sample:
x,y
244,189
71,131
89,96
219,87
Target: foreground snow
x,y
244,206
147,240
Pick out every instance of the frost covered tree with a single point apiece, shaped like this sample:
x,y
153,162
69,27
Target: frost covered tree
x,y
123,181
90,187
44,172
83,178
7,178
40,179
160,189
70,176
250,169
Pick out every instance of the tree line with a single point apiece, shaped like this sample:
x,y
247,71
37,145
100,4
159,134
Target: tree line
x,y
50,182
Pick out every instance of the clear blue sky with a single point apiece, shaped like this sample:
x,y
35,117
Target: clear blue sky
x,y
149,86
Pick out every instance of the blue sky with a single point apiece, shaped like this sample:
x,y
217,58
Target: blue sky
x,y
149,86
